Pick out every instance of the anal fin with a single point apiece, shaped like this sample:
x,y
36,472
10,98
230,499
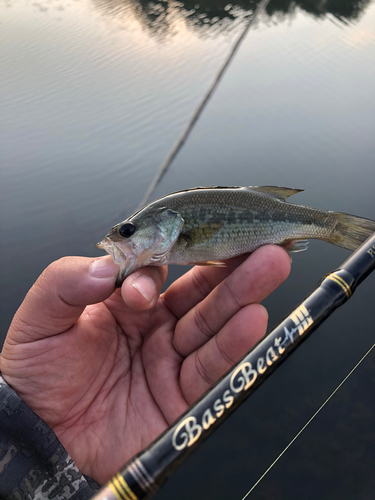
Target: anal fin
x,y
296,245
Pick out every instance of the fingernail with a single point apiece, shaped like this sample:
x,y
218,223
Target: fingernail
x,y
104,268
145,286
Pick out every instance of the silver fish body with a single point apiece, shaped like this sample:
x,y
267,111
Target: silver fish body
x,y
209,225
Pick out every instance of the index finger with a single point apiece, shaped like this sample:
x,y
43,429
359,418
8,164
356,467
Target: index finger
x,y
141,290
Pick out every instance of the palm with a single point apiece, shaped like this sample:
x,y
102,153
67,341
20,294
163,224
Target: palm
x,y
100,383
116,378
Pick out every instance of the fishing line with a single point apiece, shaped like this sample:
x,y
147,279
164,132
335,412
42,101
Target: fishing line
x,y
145,473
165,165
307,423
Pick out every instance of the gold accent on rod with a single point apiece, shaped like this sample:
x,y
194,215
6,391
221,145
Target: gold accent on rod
x,y
121,488
340,281
126,487
115,491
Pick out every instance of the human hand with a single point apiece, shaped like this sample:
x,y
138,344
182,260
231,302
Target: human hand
x,y
109,370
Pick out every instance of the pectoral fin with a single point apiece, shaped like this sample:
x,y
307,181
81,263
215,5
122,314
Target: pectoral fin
x,y
200,234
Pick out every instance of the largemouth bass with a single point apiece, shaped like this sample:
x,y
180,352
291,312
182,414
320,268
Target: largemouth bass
x,y
206,225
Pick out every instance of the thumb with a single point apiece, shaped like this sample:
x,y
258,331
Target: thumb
x,y
59,296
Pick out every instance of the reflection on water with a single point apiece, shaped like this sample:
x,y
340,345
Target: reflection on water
x,y
94,95
211,17
342,10
160,18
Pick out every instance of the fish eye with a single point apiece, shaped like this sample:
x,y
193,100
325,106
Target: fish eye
x,y
127,230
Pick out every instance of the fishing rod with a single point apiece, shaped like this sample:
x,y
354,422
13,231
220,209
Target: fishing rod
x,y
141,477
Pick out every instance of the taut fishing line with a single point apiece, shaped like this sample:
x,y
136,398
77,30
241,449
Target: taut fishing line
x,y
189,127
307,423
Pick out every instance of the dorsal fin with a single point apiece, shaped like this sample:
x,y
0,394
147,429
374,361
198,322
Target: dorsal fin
x,y
281,193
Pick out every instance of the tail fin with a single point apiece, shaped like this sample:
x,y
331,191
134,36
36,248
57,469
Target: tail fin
x,y
351,231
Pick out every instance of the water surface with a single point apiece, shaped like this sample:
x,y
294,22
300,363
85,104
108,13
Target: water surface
x,y
95,94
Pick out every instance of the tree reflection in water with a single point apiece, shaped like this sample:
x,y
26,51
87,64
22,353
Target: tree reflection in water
x,y
212,16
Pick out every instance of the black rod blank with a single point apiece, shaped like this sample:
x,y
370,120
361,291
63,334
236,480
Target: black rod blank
x,y
143,474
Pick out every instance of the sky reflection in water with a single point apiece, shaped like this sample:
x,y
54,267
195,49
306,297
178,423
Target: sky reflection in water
x,y
94,96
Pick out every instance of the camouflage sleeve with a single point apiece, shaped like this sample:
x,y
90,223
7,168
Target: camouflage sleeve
x,y
33,463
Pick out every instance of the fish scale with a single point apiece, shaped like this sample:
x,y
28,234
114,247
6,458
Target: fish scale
x,y
207,225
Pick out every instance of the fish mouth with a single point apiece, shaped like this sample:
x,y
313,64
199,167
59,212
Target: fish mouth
x,y
118,257
117,254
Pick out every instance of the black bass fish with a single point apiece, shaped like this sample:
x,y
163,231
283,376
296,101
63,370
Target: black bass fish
x,y
206,225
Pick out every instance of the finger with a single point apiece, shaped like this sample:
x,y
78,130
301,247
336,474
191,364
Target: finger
x,y
211,361
60,294
250,283
141,290
196,284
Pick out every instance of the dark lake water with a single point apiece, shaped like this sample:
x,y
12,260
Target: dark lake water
x,y
94,96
